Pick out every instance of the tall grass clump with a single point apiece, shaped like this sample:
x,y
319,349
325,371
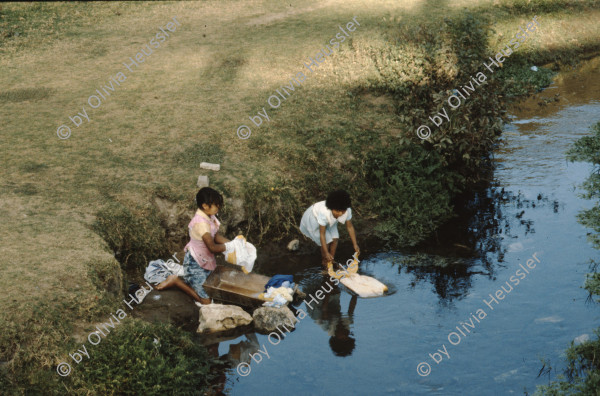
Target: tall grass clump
x,y
274,207
134,235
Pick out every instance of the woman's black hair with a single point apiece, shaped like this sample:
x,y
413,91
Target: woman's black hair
x,y
338,200
208,196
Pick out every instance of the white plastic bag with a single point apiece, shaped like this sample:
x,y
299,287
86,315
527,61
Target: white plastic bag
x,y
240,252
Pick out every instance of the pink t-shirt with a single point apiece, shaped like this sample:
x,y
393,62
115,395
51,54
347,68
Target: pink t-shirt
x,y
198,249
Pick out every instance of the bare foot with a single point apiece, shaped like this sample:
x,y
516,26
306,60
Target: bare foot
x,y
169,282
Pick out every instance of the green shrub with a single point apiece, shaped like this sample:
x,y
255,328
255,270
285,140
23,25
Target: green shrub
x,y
519,79
138,358
412,193
582,373
592,284
588,149
421,69
135,236
273,207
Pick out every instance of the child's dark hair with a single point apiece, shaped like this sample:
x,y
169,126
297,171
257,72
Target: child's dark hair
x,y
208,196
338,200
341,343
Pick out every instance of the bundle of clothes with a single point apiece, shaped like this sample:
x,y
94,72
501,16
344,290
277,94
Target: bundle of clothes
x,y
279,290
159,270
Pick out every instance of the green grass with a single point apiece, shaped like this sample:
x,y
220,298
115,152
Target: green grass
x,y
183,106
141,358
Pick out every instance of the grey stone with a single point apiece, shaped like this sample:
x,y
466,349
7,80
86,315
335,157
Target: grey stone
x,y
202,181
208,165
581,339
267,319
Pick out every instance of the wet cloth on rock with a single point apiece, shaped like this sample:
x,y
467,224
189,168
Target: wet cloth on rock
x,y
158,270
285,292
277,281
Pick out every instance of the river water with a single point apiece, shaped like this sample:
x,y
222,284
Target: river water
x,y
441,298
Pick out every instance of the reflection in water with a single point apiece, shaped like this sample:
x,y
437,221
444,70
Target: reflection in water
x,y
529,205
328,315
241,352
475,242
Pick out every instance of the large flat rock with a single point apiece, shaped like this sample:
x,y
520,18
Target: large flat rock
x,y
219,317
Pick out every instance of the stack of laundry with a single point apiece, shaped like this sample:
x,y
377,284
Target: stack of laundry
x,y
278,291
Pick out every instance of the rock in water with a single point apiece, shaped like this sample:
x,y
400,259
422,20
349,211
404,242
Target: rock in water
x,y
581,339
219,317
267,319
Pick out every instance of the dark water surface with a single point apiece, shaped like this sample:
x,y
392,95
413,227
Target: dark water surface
x,y
354,346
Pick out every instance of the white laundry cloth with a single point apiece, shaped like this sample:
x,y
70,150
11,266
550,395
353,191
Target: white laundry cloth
x,y
158,270
286,292
241,253
277,302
